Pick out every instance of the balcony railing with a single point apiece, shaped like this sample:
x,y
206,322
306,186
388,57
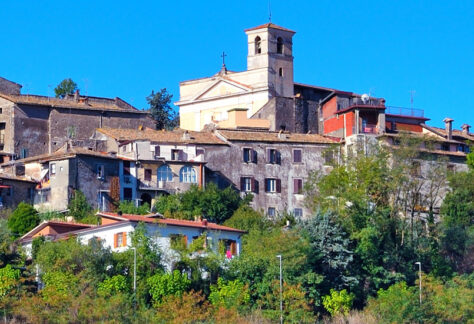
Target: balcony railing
x,y
402,111
358,102
369,129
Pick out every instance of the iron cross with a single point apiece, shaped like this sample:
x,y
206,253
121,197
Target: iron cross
x,y
223,58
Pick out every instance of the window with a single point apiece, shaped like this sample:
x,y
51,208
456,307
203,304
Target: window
x,y
23,153
187,174
147,175
178,241
328,157
120,239
230,248
297,186
298,212
271,212
258,45
272,185
1,110
157,151
445,146
249,155
273,156
126,167
248,184
52,169
280,45
280,72
297,156
100,171
416,169
164,173
177,155
127,193
199,151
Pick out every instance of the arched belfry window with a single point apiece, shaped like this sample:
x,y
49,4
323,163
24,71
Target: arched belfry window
x,y
258,45
279,45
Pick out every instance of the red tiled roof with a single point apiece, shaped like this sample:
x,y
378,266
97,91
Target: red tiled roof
x,y
170,221
270,25
161,136
274,137
38,228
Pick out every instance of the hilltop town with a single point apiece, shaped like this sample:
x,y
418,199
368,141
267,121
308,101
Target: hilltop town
x,y
345,169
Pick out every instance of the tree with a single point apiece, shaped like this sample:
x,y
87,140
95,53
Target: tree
x,y
162,285
230,294
23,219
65,87
80,209
338,302
160,109
211,203
129,207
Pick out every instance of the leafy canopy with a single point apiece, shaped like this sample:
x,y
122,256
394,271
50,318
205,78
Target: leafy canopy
x,y
23,219
65,87
161,111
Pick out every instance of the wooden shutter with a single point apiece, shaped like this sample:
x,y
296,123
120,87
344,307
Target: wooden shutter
x,y
157,150
243,155
185,240
266,185
295,185
254,156
277,157
124,239
278,185
233,248
255,186
180,155
115,240
269,153
242,184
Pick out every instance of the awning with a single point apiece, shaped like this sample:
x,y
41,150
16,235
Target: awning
x,y
5,187
44,173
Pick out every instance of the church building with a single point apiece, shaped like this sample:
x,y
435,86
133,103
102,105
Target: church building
x,y
264,96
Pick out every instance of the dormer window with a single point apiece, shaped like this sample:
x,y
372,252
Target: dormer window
x,y
279,45
258,45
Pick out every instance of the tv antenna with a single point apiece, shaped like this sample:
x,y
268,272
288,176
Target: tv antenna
x,y
412,95
269,11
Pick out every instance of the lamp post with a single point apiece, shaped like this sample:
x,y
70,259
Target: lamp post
x,y
134,269
281,291
419,271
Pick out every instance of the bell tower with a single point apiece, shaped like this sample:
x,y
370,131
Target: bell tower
x,y
270,52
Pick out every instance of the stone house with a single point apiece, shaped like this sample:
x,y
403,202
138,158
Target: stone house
x,y
15,189
153,163
273,166
32,125
59,174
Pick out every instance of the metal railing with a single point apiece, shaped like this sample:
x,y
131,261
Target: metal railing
x,y
369,129
352,102
403,111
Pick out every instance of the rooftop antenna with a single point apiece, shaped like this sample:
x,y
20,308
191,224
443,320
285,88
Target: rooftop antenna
x,y
269,11
412,95
86,85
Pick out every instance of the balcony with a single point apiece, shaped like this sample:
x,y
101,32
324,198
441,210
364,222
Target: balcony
x,y
358,102
402,111
369,129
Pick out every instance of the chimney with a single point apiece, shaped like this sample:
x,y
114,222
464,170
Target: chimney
x,y
186,136
204,222
465,129
76,95
448,122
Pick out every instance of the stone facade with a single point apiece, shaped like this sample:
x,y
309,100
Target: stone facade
x,y
14,190
32,125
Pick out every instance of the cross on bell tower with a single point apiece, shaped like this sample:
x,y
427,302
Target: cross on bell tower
x,y
223,69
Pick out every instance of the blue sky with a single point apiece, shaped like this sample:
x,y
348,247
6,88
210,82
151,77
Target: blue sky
x,y
128,48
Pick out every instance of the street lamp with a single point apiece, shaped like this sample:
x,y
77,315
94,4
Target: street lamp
x,y
134,269
281,291
419,271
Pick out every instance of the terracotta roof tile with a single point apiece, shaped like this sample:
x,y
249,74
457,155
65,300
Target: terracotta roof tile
x,y
170,221
270,25
161,136
84,103
456,132
265,136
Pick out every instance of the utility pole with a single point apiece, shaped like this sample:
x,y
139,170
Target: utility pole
x,y
134,269
419,271
281,291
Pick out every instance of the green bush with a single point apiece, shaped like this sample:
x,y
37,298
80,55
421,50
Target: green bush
x,y
23,219
161,285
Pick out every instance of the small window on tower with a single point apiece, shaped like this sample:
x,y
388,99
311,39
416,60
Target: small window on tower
x,y
280,72
258,45
279,45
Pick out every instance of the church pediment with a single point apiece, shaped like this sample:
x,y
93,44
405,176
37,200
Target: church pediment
x,y
220,88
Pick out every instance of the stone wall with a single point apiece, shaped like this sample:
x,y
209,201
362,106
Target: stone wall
x,y
9,87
